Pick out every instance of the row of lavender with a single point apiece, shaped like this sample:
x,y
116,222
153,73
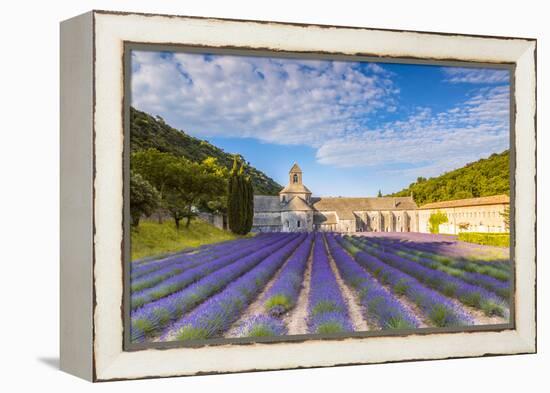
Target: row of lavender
x,y
491,276
327,311
470,294
203,294
438,309
447,246
172,278
153,318
199,254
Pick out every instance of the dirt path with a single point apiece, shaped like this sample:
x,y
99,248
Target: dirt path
x,y
296,319
257,307
406,303
409,306
356,311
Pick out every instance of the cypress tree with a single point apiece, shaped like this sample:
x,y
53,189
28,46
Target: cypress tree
x,y
240,200
249,204
232,212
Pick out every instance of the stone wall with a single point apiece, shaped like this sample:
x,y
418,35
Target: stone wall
x,y
487,218
297,221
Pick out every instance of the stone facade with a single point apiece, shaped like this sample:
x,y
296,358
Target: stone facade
x,y
485,214
296,210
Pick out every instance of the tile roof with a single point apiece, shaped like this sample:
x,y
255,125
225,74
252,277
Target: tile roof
x,y
295,188
490,200
266,203
344,207
296,204
325,218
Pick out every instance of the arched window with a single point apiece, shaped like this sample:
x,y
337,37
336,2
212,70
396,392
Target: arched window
x,y
287,224
295,178
298,224
284,198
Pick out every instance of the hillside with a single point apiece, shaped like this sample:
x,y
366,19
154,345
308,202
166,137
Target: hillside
x,y
485,177
147,131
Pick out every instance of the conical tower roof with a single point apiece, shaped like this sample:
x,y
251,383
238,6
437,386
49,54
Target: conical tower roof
x,y
295,169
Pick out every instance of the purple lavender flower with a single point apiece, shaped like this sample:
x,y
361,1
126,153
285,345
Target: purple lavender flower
x,y
328,312
188,276
382,306
470,295
283,294
154,316
488,282
262,326
215,315
439,310
202,253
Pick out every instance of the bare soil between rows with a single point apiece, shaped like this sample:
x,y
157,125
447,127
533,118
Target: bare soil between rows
x,y
256,307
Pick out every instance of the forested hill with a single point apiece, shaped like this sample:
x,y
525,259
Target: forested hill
x,y
488,176
150,132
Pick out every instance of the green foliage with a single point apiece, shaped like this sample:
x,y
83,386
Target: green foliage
x,y
153,238
437,218
379,195
153,166
486,239
144,198
240,200
190,184
324,306
329,327
486,177
439,316
260,331
147,132
278,301
183,185
191,333
506,217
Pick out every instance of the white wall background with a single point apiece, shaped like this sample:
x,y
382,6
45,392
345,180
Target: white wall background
x,y
29,195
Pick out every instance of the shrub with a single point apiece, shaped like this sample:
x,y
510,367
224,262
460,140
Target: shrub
x,y
436,219
486,239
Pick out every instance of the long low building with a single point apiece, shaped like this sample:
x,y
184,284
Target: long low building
x,y
295,210
484,214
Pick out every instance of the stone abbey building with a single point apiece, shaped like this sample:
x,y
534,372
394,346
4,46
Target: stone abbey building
x,y
296,210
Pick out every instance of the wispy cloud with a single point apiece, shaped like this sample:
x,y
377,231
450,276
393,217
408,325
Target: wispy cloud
x,y
281,101
338,108
428,143
476,75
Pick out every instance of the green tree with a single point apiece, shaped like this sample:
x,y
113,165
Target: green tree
x,y
436,219
379,194
216,204
190,184
240,200
485,177
144,198
153,166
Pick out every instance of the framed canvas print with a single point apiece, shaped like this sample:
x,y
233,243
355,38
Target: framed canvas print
x,y
247,195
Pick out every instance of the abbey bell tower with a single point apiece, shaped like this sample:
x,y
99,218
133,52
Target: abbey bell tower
x,y
295,187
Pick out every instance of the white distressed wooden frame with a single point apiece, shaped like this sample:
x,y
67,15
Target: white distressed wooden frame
x,y
92,199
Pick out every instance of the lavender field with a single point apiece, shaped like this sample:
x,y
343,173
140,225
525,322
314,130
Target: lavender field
x,y
297,283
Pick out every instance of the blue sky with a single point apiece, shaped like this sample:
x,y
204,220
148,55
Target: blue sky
x,y
353,127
